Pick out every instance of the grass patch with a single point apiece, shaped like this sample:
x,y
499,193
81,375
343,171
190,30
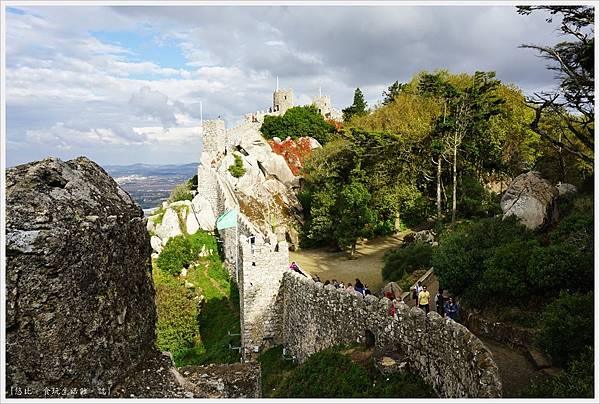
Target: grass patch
x,y
157,215
331,373
198,338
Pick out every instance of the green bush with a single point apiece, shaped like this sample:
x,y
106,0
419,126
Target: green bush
x,y
575,382
460,260
237,168
332,374
177,324
397,263
181,192
414,207
181,251
505,272
298,122
577,230
561,267
193,183
176,255
567,327
474,200
328,374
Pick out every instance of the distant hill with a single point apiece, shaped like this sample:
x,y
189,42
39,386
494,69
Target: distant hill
x,y
150,184
151,169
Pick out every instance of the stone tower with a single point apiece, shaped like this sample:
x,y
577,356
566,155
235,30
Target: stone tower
x,y
214,141
282,100
323,104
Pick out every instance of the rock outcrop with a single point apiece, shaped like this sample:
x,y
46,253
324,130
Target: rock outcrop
x,y
564,188
532,199
80,297
294,151
182,217
80,309
266,193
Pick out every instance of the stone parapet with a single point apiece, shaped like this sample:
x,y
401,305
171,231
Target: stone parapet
x,y
443,352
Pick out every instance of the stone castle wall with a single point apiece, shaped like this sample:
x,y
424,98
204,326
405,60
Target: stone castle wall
x,y
261,266
443,352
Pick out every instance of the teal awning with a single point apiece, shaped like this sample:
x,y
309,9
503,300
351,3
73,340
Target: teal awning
x,y
227,220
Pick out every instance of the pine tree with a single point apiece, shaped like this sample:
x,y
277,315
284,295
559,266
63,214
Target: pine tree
x,y
392,92
358,107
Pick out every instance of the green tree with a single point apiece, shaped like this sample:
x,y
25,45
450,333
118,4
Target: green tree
x,y
237,168
567,327
355,216
573,62
392,92
298,122
358,107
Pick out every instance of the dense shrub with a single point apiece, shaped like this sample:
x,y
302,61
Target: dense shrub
x,y
561,267
577,230
474,200
237,168
181,192
460,259
181,251
333,374
405,260
505,272
297,122
193,183
414,207
328,374
177,324
575,382
567,327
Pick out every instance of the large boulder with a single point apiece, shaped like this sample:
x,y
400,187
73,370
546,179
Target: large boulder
x,y
169,226
200,216
564,188
80,310
532,199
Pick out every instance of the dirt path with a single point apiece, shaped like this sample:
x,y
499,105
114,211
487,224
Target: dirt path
x,y
336,265
515,369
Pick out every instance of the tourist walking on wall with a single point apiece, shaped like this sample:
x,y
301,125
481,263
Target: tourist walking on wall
x,y
359,287
452,309
416,290
424,300
439,302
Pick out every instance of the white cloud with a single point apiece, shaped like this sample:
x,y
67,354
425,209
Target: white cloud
x,y
68,91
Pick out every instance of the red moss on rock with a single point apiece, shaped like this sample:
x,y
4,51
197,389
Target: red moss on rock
x,y
293,151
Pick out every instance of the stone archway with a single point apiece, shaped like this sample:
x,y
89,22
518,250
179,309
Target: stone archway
x,y
369,339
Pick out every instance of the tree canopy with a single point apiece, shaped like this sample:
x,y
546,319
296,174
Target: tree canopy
x,y
298,122
358,107
571,106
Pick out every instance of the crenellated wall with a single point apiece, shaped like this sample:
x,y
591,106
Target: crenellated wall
x,y
443,352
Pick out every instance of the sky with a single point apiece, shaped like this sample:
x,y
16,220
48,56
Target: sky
x,y
123,84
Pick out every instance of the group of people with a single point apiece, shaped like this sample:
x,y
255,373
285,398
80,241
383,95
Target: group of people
x,y
358,285
445,306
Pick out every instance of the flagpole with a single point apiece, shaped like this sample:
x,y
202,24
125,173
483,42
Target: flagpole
x,y
237,251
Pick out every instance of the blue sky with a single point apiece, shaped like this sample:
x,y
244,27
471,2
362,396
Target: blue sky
x,y
123,85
